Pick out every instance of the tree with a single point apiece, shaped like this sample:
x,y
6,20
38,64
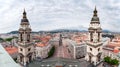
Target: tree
x,y
111,61
51,52
1,39
107,59
8,39
114,62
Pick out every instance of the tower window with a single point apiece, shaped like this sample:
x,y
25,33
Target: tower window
x,y
21,37
21,49
98,37
98,49
90,49
28,49
28,37
91,36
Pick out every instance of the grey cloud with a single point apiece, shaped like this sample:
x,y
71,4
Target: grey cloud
x,y
58,13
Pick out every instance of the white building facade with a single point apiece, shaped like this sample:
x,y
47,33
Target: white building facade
x,y
77,51
25,44
42,51
94,44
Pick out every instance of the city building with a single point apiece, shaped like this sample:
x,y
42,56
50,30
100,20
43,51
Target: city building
x,y
112,49
78,46
75,43
42,50
109,50
94,44
60,40
12,50
76,50
55,41
25,44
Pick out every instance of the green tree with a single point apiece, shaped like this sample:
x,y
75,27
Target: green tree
x,y
107,59
111,61
8,39
51,52
114,62
1,39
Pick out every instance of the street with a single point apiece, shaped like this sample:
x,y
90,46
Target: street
x,y
62,51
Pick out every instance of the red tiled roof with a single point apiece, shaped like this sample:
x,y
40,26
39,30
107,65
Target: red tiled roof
x,y
116,51
110,46
11,49
41,44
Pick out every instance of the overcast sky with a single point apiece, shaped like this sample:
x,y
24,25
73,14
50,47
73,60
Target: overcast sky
x,y
57,14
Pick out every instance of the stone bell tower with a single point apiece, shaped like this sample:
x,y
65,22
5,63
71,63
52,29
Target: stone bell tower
x,y
25,45
94,45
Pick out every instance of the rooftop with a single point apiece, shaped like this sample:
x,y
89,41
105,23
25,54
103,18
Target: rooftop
x,y
79,38
74,43
40,44
11,49
114,47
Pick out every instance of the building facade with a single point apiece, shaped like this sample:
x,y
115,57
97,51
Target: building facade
x,y
42,50
77,51
94,44
112,49
25,45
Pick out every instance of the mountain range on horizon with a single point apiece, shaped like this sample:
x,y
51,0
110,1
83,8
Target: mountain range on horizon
x,y
59,30
70,29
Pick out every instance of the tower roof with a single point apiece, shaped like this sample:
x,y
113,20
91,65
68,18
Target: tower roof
x,y
24,14
24,20
95,12
95,18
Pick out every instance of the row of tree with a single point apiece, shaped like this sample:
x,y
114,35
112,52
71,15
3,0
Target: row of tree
x,y
51,52
7,39
111,61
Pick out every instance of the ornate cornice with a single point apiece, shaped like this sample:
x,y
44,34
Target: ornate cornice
x,y
94,44
25,45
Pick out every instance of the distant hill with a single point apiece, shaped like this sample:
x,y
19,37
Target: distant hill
x,y
13,32
106,31
59,30
68,30
16,32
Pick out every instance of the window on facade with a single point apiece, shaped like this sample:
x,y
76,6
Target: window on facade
x,y
21,37
90,49
21,49
98,49
28,49
28,37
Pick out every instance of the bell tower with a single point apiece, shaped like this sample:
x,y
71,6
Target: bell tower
x,y
94,44
25,44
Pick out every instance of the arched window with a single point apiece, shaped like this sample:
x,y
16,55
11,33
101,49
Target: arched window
x,y
98,49
28,37
90,49
21,38
91,37
98,37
